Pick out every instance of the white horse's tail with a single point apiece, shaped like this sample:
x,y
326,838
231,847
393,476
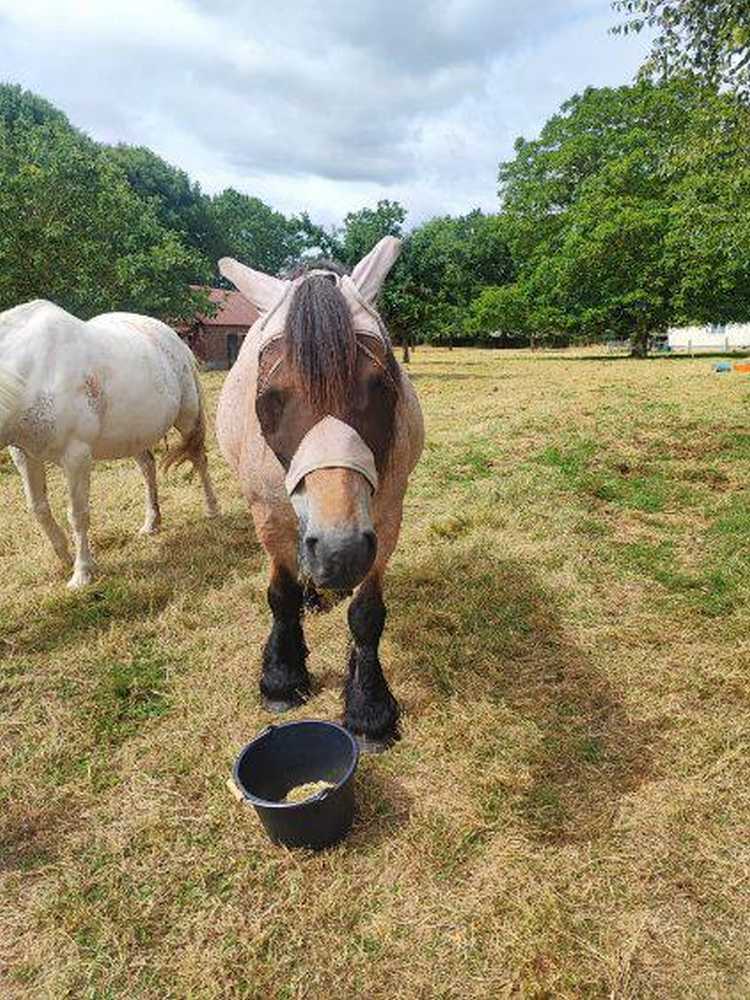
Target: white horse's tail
x,y
11,398
193,447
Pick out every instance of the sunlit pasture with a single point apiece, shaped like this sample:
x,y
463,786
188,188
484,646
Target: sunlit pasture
x,y
567,813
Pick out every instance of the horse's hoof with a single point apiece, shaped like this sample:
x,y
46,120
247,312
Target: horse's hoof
x,y
368,745
150,529
280,705
79,580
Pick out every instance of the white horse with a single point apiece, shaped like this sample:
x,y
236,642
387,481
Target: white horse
x,y
72,392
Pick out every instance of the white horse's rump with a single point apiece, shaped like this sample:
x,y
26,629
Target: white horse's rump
x,y
11,398
74,392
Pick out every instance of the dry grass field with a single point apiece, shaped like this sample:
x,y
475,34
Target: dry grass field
x,y
568,812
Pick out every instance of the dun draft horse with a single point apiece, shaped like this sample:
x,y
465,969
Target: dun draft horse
x,y
74,392
323,430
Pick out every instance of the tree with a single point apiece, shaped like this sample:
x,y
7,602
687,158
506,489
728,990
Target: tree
x,y
75,232
316,240
606,217
707,37
179,203
444,264
514,315
502,312
364,228
708,242
254,233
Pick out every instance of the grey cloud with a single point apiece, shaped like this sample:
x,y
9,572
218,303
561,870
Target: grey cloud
x,y
342,101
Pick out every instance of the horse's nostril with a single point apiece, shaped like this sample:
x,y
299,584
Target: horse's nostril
x,y
372,541
311,543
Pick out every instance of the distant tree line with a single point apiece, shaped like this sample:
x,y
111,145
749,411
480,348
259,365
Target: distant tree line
x,y
630,211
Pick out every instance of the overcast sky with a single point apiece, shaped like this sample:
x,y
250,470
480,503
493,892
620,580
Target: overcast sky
x,y
324,106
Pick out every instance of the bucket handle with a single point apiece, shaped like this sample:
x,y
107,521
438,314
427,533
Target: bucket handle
x,y
236,792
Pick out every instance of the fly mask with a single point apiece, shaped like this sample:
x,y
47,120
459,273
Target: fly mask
x,y
326,395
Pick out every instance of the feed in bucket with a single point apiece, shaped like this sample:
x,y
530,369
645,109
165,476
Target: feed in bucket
x,y
307,791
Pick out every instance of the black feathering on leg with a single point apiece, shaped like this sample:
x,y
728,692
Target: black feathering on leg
x,y
284,680
371,712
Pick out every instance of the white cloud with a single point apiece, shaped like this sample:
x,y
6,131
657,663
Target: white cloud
x,y
319,107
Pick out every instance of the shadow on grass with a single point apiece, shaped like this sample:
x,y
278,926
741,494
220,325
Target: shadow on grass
x,y
448,376
192,557
383,807
29,839
491,631
627,357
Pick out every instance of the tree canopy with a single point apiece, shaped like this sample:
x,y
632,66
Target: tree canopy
x,y
625,209
708,37
78,234
628,212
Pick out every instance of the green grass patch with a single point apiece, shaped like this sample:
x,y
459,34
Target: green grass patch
x,y
735,446
129,693
713,590
571,460
647,493
462,465
585,468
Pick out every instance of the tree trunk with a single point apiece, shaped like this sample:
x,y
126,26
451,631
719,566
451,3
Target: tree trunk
x,y
407,355
639,344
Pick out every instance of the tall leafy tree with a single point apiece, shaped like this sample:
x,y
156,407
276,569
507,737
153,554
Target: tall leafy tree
x,y
445,262
75,231
364,228
707,37
179,202
256,234
708,243
611,211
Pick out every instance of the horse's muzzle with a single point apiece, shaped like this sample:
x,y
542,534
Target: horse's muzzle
x,y
338,559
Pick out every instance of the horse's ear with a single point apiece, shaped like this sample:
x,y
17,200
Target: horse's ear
x,y
261,289
373,269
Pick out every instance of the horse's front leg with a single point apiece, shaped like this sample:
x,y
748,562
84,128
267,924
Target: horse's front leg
x,y
34,480
370,711
76,464
284,682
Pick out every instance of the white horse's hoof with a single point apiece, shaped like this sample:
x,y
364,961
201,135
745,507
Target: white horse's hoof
x,y
80,579
150,529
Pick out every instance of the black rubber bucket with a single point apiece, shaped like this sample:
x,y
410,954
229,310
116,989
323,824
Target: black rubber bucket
x,y
282,757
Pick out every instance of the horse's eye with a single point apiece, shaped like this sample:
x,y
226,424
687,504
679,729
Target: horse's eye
x,y
269,406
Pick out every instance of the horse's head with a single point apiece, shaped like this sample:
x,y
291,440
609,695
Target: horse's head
x,y
326,399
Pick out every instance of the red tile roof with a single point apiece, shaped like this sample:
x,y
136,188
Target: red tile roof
x,y
234,309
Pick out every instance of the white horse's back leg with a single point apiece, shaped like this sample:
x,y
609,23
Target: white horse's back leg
x,y
191,423
147,466
34,480
212,504
77,467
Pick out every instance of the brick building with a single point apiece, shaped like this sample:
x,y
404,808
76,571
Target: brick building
x,y
216,340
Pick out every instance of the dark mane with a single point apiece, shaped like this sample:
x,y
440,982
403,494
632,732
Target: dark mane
x,y
321,347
